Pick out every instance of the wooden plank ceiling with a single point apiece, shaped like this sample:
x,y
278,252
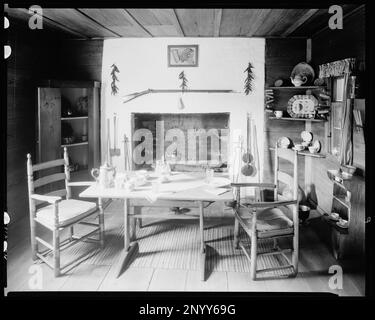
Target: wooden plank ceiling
x,y
91,23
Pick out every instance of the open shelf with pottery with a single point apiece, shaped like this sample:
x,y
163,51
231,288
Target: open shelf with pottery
x,y
297,88
306,154
69,117
348,202
297,119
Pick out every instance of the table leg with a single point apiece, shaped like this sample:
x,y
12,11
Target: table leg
x,y
136,210
129,248
203,245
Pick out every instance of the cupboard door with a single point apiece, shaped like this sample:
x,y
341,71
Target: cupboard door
x,y
49,124
94,125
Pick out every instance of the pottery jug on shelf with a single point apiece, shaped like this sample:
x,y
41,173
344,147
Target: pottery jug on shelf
x,y
298,80
104,175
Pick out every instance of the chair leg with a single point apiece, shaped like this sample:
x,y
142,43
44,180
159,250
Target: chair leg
x,y
34,243
275,244
253,258
140,226
56,251
71,233
295,254
236,232
101,223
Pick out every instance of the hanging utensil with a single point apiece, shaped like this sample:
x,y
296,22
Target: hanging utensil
x,y
256,153
109,155
248,169
115,151
127,156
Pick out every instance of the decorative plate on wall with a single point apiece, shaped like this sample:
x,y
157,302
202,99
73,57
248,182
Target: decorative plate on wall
x,y
302,106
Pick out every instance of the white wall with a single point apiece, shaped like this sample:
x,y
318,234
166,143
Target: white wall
x,y
143,64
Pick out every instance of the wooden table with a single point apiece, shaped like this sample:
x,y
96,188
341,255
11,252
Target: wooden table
x,y
187,190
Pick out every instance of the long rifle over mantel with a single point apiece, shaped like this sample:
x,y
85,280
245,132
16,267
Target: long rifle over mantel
x,y
138,94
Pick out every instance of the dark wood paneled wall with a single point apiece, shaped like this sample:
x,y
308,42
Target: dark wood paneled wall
x,y
327,46
81,60
33,58
37,55
349,42
281,56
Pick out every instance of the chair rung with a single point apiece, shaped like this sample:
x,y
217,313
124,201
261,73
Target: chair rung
x,y
89,224
86,235
274,252
78,260
275,268
91,240
244,250
45,243
43,258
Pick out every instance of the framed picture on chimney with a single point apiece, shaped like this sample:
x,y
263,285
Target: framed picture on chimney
x,y
183,56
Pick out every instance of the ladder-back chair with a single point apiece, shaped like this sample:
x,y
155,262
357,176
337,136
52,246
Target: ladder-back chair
x,y
270,220
59,212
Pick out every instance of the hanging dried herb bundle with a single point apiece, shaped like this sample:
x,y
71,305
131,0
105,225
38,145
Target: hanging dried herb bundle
x,y
249,79
184,81
114,79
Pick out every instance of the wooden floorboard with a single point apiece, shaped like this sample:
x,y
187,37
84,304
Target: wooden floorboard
x,y
100,274
215,281
134,279
168,280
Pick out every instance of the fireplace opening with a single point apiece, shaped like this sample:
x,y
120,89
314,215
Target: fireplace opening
x,y
188,141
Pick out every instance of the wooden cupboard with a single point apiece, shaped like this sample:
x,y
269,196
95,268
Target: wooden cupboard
x,y
69,116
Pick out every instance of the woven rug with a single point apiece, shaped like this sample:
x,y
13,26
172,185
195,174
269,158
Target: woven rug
x,y
171,245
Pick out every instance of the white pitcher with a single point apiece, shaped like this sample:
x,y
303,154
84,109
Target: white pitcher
x,y
104,175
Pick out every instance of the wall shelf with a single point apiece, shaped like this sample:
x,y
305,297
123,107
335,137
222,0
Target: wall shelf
x,y
54,125
306,154
75,144
74,118
297,88
309,154
297,119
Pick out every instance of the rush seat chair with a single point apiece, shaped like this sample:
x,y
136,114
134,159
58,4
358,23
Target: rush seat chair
x,y
270,220
57,211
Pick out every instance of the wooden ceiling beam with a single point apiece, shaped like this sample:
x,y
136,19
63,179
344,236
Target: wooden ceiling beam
x,y
177,23
299,22
217,21
354,11
24,13
258,21
98,23
136,24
